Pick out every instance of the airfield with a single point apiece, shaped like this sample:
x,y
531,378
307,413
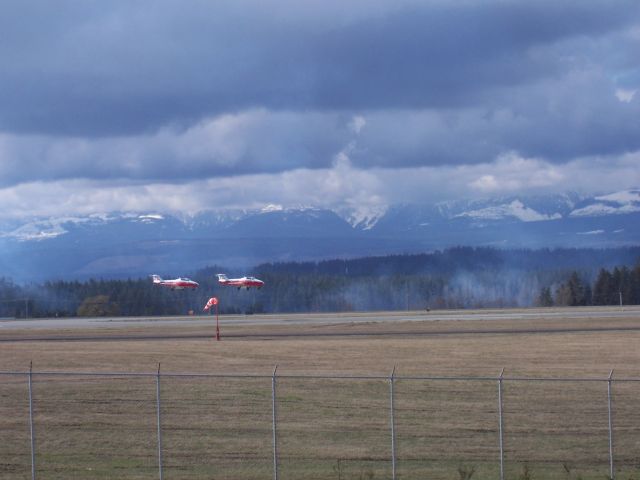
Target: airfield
x,y
333,318
454,341
333,418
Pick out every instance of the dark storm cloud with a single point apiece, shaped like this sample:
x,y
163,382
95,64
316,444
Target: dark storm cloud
x,y
241,103
122,68
558,120
254,141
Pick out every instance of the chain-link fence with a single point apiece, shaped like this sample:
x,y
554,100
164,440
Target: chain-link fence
x,y
187,426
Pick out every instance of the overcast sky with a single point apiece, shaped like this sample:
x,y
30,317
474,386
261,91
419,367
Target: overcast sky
x,y
191,105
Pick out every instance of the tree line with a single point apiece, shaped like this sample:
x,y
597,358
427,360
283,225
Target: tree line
x,y
462,277
616,287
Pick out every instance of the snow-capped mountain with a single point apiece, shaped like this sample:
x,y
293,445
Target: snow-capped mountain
x,y
130,243
618,203
362,217
50,228
515,209
480,212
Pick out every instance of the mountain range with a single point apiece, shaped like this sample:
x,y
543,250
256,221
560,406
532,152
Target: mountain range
x,y
132,244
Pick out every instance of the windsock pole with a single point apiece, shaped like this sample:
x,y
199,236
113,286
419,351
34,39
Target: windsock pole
x,y
217,324
213,301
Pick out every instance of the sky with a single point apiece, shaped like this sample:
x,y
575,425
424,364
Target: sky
x,y
184,106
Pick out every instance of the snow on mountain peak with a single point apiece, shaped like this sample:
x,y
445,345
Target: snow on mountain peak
x,y
599,209
272,208
43,229
35,231
618,203
515,209
624,197
363,217
151,217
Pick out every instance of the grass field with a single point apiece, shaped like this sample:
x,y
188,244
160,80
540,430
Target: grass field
x,y
89,427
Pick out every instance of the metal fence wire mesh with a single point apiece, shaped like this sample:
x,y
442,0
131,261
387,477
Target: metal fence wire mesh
x,y
444,426
87,427
560,427
330,428
60,425
15,456
216,427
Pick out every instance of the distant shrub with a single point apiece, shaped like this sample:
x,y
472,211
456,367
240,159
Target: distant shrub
x,y
98,306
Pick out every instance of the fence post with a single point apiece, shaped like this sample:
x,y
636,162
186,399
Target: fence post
x,y
274,423
31,426
612,472
501,424
159,423
393,424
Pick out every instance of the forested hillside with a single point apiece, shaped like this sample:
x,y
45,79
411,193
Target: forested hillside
x,y
454,278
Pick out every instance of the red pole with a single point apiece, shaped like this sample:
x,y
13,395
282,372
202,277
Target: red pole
x,y
217,324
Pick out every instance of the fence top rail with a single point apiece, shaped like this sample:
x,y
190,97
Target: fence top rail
x,y
298,376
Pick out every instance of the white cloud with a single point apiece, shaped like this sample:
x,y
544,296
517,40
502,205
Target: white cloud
x,y
625,95
357,124
486,183
511,172
246,142
340,186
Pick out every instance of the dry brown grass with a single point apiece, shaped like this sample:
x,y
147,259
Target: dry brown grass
x,y
221,428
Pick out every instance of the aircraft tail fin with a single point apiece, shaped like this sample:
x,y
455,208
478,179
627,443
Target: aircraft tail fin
x,y
156,278
222,277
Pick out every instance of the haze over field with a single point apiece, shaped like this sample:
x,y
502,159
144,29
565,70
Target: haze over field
x,y
178,108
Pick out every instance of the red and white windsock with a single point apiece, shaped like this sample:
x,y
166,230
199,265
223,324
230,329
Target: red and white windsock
x,y
212,301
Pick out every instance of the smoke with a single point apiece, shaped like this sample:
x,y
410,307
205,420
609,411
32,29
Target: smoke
x,y
463,289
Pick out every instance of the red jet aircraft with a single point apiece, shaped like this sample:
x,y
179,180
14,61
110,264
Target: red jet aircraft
x,y
175,284
244,282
